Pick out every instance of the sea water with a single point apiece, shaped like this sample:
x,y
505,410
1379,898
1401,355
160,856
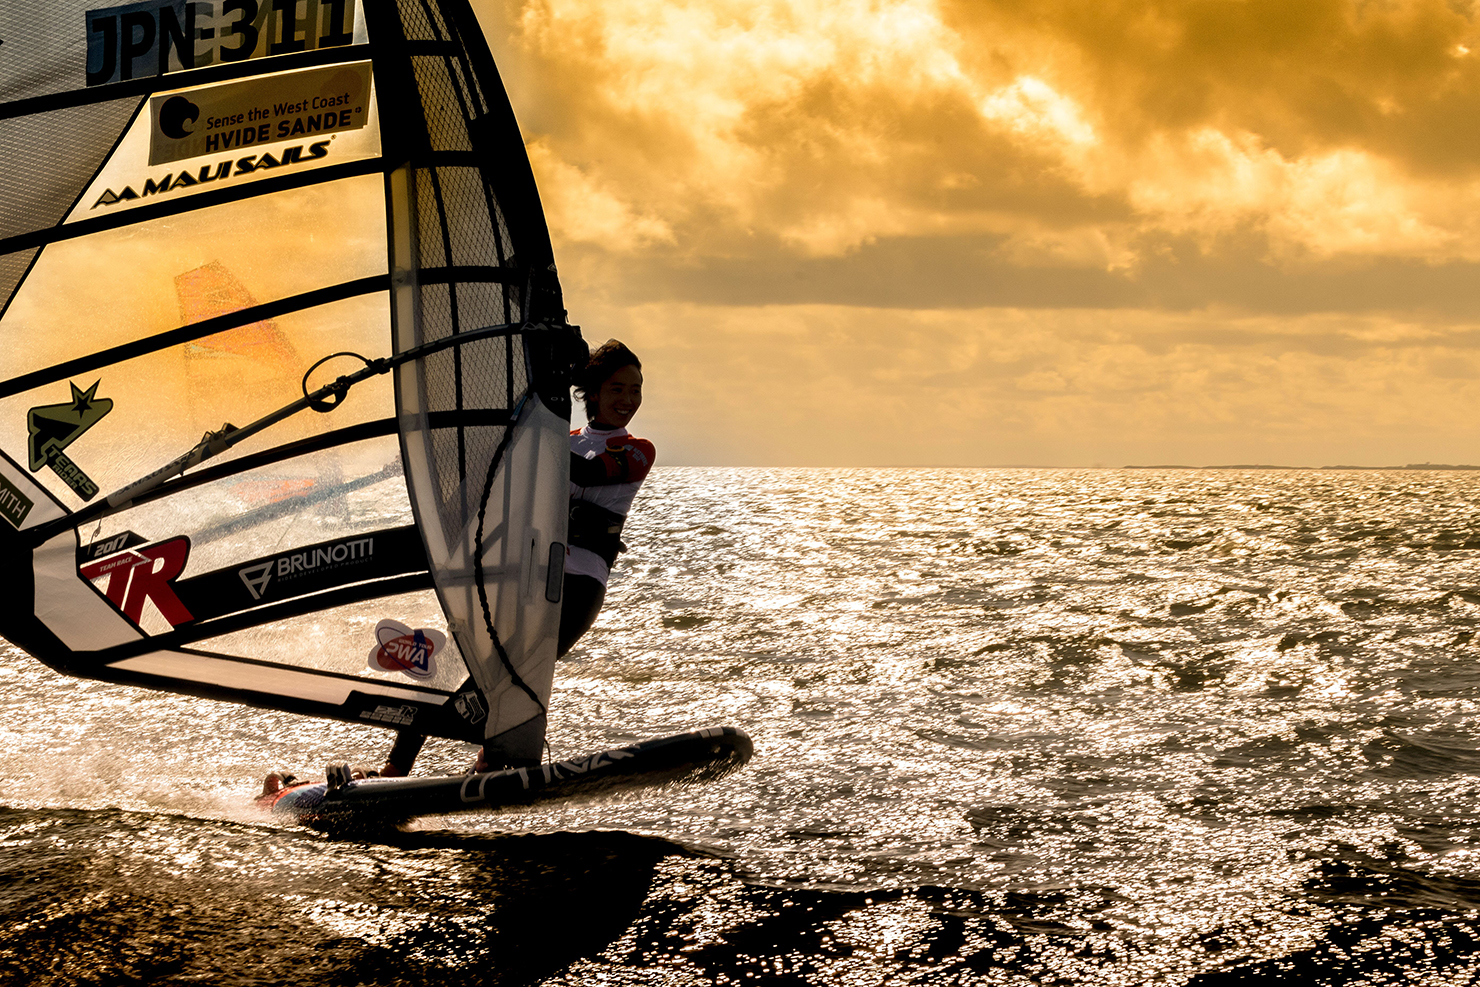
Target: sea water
x,y
1011,727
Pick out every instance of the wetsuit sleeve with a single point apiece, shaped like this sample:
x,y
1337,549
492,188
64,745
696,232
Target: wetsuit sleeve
x,y
626,460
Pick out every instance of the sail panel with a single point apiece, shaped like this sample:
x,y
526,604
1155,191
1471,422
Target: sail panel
x,y
45,160
446,99
530,493
81,618
102,276
24,503
338,639
341,492
50,50
13,268
160,403
267,679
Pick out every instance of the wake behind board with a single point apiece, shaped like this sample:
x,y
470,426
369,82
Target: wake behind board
x,y
341,806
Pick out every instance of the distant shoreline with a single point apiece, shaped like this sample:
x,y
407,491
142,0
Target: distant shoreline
x,y
1266,466
1436,467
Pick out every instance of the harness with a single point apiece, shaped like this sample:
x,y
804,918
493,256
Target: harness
x,y
596,529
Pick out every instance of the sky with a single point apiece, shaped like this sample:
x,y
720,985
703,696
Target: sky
x,y
1036,232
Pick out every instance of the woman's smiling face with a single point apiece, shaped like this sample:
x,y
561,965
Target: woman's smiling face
x,y
619,398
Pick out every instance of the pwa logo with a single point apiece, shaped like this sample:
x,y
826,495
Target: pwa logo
x,y
145,575
398,648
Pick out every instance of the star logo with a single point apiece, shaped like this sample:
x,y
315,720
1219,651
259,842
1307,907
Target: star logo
x,y
82,400
53,427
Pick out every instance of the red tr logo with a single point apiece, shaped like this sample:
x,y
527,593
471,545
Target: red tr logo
x,y
142,574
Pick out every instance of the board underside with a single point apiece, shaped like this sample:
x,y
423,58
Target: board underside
x,y
373,803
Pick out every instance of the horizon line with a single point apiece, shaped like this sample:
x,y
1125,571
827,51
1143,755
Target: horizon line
x,y
1410,467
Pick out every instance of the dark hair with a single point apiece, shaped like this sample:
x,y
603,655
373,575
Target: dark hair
x,y
606,360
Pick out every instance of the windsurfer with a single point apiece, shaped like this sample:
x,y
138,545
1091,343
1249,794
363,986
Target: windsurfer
x,y
607,466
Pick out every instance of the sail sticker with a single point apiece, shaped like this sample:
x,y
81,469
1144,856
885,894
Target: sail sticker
x,y
401,716
185,178
469,706
137,576
14,505
312,560
108,546
260,110
156,37
53,427
256,578
398,648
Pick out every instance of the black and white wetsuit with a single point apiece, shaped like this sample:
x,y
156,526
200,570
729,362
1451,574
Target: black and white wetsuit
x,y
607,466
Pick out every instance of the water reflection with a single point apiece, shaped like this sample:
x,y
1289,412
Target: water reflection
x,y
110,896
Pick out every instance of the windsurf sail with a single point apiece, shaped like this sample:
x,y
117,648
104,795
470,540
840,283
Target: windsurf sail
x,y
283,362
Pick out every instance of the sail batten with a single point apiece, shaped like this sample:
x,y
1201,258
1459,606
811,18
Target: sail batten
x,y
369,542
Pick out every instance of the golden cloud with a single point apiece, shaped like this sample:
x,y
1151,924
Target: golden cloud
x,y
1038,231
1076,133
